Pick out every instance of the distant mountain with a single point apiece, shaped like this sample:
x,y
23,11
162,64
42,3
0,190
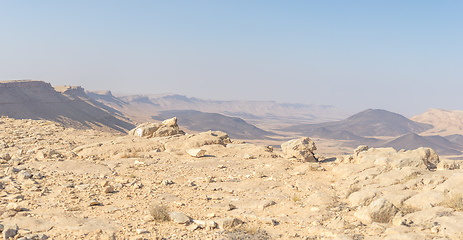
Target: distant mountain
x,y
262,111
445,122
371,122
68,105
199,121
413,141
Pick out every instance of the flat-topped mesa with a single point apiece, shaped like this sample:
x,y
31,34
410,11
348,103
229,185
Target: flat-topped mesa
x,y
28,91
72,92
69,105
24,84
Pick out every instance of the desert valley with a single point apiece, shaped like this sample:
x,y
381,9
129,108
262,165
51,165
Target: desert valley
x,y
79,164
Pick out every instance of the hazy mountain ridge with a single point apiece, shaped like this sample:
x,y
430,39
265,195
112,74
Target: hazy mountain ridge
x,y
371,122
445,122
285,112
412,141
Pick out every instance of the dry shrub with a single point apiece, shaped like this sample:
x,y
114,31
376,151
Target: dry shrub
x,y
296,198
247,233
406,209
455,201
159,212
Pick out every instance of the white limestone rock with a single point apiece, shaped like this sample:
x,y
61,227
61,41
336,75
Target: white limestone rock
x,y
302,149
196,152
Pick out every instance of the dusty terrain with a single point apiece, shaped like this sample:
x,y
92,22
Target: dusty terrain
x,y
63,183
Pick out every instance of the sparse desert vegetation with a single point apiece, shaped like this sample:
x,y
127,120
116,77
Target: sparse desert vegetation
x,y
166,192
157,181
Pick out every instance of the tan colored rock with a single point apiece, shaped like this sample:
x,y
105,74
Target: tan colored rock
x,y
302,149
199,140
171,122
421,157
227,223
179,217
196,152
168,127
427,199
380,211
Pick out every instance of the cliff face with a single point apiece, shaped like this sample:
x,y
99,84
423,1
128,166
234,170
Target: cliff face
x,y
21,92
68,105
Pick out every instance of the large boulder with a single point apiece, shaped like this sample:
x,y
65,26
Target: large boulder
x,y
421,157
380,210
183,143
168,127
302,149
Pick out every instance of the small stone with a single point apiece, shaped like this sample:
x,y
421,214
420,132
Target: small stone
x,y
208,224
14,207
192,227
226,223
10,232
109,189
269,221
167,182
196,152
142,231
138,163
24,174
94,202
314,209
179,217
266,204
148,218
248,156
229,207
104,183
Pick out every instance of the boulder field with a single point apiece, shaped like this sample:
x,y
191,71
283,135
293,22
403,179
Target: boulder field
x,y
158,182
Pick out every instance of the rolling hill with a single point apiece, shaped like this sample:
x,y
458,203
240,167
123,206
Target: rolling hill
x,y
445,122
199,121
371,122
412,141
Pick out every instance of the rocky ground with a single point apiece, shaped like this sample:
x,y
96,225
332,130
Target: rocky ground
x,y
62,183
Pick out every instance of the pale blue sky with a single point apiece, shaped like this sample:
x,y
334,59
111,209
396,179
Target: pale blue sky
x,y
402,56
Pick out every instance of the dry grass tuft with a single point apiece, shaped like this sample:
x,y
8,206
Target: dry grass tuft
x,y
455,201
295,198
159,212
406,209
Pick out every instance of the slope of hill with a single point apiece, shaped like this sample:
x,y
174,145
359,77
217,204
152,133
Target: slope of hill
x,y
455,138
371,122
413,141
199,121
67,105
445,122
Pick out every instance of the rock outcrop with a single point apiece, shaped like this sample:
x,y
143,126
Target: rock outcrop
x,y
168,127
65,183
301,149
421,157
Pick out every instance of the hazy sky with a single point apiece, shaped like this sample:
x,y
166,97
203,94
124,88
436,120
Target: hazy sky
x,y
402,56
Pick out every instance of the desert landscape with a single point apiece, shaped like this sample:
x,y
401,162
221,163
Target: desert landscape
x,y
79,164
